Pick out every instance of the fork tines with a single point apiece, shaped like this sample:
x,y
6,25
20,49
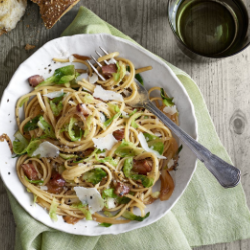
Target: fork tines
x,y
99,64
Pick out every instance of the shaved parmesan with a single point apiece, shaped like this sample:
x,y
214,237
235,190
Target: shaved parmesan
x,y
145,146
44,188
158,134
111,203
46,149
91,197
93,79
82,76
170,163
170,110
105,142
54,94
71,59
112,61
102,117
106,95
124,114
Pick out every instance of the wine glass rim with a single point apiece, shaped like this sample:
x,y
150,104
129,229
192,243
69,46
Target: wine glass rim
x,y
196,53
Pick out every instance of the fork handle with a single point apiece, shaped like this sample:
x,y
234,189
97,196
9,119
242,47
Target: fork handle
x,y
227,175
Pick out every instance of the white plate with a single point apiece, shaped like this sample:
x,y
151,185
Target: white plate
x,y
40,63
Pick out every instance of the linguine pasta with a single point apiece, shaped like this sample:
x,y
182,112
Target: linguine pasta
x,y
72,138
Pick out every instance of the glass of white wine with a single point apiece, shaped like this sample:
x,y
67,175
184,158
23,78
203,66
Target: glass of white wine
x,y
210,28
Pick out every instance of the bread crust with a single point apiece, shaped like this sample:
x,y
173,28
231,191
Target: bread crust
x,y
11,11
52,10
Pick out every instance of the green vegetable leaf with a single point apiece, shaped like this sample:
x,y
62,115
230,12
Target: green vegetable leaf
x,y
67,157
78,205
47,82
130,216
114,107
146,181
33,181
133,112
84,210
128,149
123,200
64,71
75,132
56,100
139,79
46,127
108,214
134,117
32,124
106,159
108,122
150,137
88,99
61,76
128,165
137,76
33,145
66,79
167,101
154,142
104,224
120,73
56,108
179,149
52,210
20,144
94,176
110,192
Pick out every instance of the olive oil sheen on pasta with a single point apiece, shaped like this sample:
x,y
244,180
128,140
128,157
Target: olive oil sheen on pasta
x,y
206,27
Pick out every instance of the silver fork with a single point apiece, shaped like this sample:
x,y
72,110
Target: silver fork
x,y
227,175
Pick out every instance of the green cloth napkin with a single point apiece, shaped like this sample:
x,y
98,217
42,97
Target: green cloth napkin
x,y
205,214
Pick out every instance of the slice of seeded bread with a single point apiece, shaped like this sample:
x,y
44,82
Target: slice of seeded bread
x,y
11,11
52,10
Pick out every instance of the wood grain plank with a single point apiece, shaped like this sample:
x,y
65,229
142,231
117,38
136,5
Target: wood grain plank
x,y
224,83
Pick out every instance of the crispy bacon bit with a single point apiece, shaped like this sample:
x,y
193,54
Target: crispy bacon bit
x,y
142,166
119,134
121,189
35,80
107,70
56,183
70,220
81,108
30,171
7,139
84,58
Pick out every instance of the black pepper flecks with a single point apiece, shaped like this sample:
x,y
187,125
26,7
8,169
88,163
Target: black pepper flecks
x,y
8,173
8,100
91,197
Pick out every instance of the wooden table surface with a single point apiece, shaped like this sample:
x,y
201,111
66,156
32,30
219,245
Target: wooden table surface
x,y
225,83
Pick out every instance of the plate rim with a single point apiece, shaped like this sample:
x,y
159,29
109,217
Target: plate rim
x,y
152,56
